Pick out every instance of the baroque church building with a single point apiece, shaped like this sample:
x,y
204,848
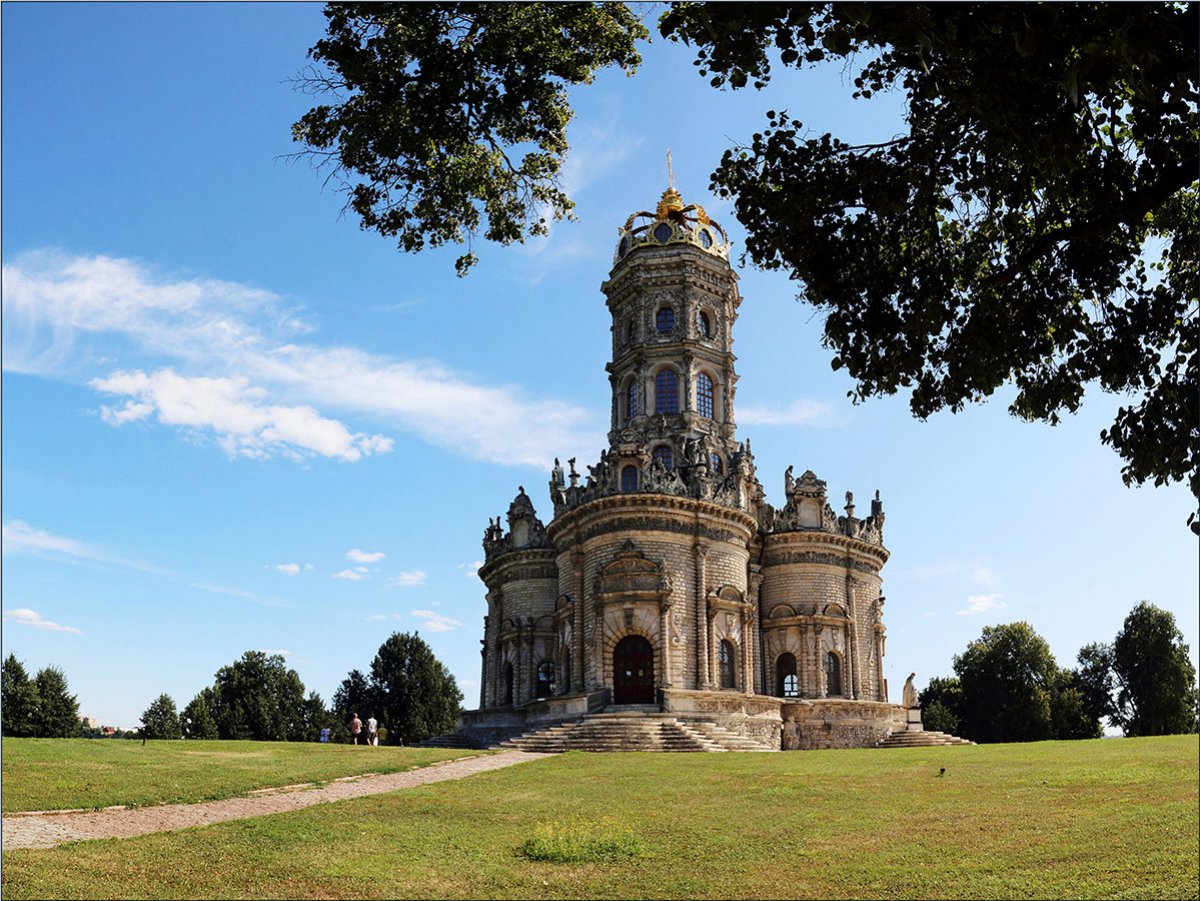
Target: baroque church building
x,y
664,578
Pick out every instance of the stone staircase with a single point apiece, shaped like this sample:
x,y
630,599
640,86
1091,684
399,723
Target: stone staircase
x,y
632,729
921,740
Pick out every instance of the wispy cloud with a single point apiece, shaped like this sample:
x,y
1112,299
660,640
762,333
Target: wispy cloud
x,y
408,578
26,617
236,412
237,360
797,413
982,603
354,575
282,652
979,573
436,622
238,593
290,569
21,538
364,556
472,568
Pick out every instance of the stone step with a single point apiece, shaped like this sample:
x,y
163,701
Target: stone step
x,y
633,730
921,740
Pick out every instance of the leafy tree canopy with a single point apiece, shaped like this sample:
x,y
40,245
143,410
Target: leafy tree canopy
x,y
1035,225
258,697
409,691
1154,678
18,699
196,721
57,712
453,116
1013,690
160,719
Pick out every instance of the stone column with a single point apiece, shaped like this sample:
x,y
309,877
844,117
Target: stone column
x,y
703,682
754,583
483,666
820,664
747,652
664,639
851,638
578,669
711,683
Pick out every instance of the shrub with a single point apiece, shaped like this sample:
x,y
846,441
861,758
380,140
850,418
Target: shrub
x,y
576,840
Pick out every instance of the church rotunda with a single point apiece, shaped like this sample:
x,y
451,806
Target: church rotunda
x,y
664,579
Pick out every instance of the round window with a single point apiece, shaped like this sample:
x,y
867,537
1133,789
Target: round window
x,y
662,232
706,238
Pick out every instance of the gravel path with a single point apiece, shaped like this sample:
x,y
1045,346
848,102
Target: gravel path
x,y
47,829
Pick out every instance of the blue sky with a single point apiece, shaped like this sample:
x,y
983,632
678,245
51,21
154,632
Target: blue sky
x,y
234,421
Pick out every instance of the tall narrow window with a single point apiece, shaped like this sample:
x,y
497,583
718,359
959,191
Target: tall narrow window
x,y
714,464
545,680
725,661
664,322
662,456
508,684
631,393
785,676
833,675
566,673
629,478
666,392
704,395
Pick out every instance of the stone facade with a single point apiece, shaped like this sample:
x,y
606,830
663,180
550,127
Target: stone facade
x,y
664,577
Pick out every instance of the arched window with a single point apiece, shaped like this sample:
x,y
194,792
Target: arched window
x,y
666,392
714,463
629,478
662,455
703,324
704,395
544,687
725,663
786,685
631,397
566,674
508,684
664,321
833,674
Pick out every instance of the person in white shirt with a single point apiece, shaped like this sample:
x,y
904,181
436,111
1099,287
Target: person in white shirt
x,y
372,731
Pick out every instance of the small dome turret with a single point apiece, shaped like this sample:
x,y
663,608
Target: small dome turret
x,y
672,222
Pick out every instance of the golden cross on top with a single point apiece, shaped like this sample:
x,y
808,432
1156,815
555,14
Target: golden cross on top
x,y
670,171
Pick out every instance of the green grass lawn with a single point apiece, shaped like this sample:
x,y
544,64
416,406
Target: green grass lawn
x,y
1098,819
52,774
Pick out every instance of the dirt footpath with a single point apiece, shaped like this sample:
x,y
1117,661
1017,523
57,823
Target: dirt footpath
x,y
45,830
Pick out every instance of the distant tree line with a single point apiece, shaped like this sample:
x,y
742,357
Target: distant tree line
x,y
1008,687
409,691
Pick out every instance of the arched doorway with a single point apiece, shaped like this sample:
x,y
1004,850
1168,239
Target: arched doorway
x,y
633,671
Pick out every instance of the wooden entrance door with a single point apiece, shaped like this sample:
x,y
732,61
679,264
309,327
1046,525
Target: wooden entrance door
x,y
633,671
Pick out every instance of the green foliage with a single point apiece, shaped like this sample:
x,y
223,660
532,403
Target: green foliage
x,y
1011,689
196,721
1095,681
18,698
416,695
450,118
941,702
259,698
1037,223
160,719
354,696
578,840
57,711
1154,678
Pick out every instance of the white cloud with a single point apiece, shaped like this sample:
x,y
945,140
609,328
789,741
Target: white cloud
x,y
235,411
354,575
436,622
21,538
282,652
290,568
245,376
238,593
363,556
797,413
308,567
979,573
377,617
409,578
27,617
472,568
982,603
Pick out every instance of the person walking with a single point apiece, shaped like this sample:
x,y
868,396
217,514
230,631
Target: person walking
x,y
355,728
372,730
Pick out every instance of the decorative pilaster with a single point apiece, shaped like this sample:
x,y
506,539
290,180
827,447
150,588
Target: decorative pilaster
x,y
703,669
578,669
